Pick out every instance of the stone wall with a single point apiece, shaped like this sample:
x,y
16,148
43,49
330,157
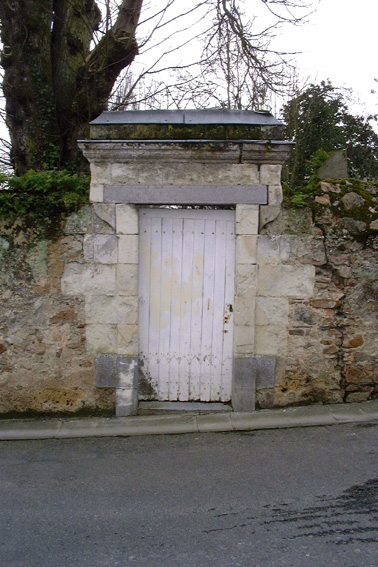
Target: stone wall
x,y
310,277
329,353
45,366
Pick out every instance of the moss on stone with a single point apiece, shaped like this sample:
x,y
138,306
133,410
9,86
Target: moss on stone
x,y
184,132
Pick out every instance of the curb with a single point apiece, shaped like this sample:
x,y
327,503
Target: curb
x,y
303,416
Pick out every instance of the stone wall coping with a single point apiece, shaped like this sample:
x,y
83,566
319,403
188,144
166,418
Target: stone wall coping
x,y
236,151
164,142
191,116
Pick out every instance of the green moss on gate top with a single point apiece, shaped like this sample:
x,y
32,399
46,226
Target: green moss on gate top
x,y
173,132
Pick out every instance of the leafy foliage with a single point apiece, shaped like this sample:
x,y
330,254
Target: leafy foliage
x,y
301,196
46,195
319,120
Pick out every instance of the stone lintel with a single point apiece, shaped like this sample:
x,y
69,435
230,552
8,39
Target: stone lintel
x,y
187,194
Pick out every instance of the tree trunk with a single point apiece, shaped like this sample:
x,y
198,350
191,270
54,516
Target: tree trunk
x,y
54,84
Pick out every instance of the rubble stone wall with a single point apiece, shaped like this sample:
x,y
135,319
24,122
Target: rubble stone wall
x,y
45,366
311,283
330,353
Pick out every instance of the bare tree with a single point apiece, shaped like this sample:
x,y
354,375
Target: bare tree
x,y
61,60
236,66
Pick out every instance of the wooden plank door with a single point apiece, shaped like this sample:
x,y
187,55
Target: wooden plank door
x,y
186,293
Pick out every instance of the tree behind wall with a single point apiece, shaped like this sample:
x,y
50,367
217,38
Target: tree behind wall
x,y
54,81
319,119
61,59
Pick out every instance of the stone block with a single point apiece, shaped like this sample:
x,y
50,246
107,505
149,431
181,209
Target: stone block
x,y
247,219
246,249
88,244
180,172
127,279
72,281
128,339
244,384
101,248
96,193
335,166
100,279
95,279
275,195
246,279
127,219
270,174
272,310
125,173
289,221
126,402
186,194
244,401
106,368
111,310
244,339
271,339
128,249
268,213
286,280
72,249
104,218
80,222
114,371
273,249
244,310
101,172
352,200
265,371
128,372
244,373
101,339
308,250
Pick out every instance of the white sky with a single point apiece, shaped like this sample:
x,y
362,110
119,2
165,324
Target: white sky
x,y
340,44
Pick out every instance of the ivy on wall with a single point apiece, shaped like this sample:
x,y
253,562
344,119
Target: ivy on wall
x,y
43,197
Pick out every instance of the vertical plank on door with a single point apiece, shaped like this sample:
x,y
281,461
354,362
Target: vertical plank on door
x,y
175,330
218,315
196,309
185,308
144,300
165,309
228,321
207,310
155,297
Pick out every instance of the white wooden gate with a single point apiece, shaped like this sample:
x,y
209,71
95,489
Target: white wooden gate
x,y
186,292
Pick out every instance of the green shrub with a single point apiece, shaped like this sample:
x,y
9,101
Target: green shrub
x,y
46,195
299,196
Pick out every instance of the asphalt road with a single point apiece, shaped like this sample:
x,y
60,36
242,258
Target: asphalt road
x,y
303,497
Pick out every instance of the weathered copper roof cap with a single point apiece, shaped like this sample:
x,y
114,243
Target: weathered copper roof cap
x,y
188,117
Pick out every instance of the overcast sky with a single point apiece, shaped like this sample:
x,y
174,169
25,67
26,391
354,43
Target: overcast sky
x,y
340,43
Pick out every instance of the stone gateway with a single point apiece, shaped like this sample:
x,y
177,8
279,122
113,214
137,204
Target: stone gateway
x,y
186,281
192,332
